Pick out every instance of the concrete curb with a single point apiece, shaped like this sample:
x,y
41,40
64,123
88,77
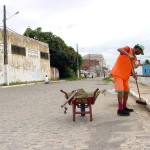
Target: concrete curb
x,y
136,96
10,86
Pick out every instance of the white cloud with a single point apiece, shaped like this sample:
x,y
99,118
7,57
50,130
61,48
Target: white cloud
x,y
98,26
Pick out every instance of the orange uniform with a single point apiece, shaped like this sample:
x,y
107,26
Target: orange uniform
x,y
121,71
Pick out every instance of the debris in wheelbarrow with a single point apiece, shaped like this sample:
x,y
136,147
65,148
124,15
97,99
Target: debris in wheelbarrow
x,y
81,93
82,100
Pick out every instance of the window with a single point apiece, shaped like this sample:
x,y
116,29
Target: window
x,y
44,55
18,50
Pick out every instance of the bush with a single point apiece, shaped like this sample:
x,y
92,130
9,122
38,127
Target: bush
x,y
69,73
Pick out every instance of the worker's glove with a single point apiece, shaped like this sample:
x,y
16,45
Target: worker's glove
x,y
136,64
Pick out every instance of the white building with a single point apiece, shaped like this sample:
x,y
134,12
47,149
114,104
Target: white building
x,y
28,59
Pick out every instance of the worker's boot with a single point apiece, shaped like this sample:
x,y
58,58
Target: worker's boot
x,y
123,113
128,109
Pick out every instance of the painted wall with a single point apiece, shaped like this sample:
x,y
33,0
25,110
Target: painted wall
x,y
28,67
142,80
54,73
1,63
146,70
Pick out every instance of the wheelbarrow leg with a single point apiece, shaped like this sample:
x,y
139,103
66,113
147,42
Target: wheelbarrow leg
x,y
82,109
90,108
73,111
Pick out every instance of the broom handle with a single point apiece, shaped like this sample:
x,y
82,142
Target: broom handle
x,y
136,81
138,89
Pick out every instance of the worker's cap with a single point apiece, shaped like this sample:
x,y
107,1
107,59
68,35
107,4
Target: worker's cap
x,y
141,47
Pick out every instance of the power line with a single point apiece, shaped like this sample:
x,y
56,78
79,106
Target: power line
x,y
10,30
13,31
7,12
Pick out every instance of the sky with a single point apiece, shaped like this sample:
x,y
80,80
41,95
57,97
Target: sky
x,y
97,26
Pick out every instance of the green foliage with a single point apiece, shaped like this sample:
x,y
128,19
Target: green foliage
x,y
74,78
146,62
62,56
18,83
69,73
108,79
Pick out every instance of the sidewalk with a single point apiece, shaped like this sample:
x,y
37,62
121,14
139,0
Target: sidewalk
x,y
144,92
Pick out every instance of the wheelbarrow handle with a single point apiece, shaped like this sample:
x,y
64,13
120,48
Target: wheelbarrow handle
x,y
63,91
95,91
66,95
68,98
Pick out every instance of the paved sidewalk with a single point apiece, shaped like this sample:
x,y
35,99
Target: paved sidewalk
x,y
144,92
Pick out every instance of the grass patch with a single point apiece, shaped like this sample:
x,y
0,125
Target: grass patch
x,y
73,78
18,83
108,79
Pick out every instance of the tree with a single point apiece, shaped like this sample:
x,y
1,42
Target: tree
x,y
62,56
146,62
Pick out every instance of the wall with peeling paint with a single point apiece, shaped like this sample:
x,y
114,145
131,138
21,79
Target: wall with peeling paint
x,y
54,73
28,67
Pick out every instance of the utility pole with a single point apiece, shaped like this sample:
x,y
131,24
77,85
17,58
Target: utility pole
x,y
6,69
6,65
5,38
77,63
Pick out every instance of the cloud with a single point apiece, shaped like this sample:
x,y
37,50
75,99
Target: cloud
x,y
71,26
98,26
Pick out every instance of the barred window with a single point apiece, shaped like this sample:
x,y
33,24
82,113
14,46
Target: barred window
x,y
18,50
44,55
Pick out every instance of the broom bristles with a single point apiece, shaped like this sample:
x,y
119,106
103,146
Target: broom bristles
x,y
141,102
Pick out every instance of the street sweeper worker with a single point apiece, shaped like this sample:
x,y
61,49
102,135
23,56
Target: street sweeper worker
x,y
121,72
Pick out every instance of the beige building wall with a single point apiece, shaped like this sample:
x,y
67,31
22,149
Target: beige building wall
x,y
31,66
54,73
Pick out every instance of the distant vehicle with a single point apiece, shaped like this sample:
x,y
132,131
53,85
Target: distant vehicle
x,y
89,75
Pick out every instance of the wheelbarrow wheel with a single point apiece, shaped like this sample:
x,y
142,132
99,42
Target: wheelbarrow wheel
x,y
82,109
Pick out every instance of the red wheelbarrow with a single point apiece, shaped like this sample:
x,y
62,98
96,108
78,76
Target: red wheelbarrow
x,y
82,103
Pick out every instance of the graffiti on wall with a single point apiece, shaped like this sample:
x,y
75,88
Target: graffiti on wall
x,y
32,53
1,48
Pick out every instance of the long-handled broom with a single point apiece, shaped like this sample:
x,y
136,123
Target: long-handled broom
x,y
140,100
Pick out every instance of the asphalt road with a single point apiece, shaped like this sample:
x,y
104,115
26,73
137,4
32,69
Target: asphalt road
x,y
31,119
